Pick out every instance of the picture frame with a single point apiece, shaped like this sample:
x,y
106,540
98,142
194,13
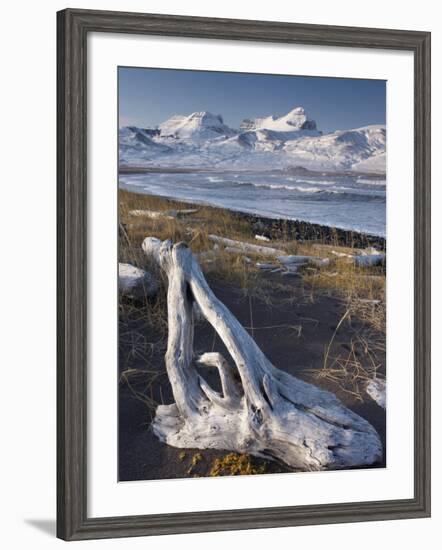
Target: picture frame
x,y
73,27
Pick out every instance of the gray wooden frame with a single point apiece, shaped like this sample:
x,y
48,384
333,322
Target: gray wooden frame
x,y
73,27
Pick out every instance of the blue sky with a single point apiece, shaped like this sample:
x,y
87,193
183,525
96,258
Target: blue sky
x,y
147,97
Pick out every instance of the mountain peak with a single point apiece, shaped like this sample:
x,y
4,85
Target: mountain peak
x,y
198,125
294,120
297,118
206,117
297,111
202,138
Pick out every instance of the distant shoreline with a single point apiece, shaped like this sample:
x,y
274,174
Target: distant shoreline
x,y
289,171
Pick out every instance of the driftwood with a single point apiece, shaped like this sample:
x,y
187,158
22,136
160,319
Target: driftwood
x,y
292,272
168,214
233,250
368,260
152,214
365,258
261,410
241,247
135,283
303,260
248,248
377,389
262,238
342,254
368,301
265,266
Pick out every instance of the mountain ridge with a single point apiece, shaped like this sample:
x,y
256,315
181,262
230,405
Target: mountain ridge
x,y
202,139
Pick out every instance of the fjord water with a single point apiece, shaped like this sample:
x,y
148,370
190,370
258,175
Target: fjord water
x,y
351,202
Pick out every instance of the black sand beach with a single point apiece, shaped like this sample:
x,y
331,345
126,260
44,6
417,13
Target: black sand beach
x,y
293,322
293,335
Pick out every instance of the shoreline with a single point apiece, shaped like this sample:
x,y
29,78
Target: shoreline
x,y
297,230
303,231
289,170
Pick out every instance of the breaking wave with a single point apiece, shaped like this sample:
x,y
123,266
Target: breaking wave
x,y
347,201
347,192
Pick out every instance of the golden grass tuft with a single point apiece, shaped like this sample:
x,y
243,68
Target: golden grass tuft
x,y
234,464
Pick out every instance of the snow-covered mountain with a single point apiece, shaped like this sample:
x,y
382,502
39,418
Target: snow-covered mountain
x,y
202,139
197,127
296,119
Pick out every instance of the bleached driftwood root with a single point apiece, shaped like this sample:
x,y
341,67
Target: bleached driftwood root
x,y
135,283
260,410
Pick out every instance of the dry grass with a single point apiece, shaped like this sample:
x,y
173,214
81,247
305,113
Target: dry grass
x,y
363,360
193,230
350,372
142,341
361,290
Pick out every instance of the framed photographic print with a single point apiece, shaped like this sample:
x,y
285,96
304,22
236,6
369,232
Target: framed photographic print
x,y
243,274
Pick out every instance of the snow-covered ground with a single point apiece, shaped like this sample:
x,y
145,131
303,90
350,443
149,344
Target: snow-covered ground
x,y
202,139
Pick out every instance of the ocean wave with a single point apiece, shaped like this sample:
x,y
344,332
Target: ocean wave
x,y
368,181
313,190
279,186
317,182
288,187
349,207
